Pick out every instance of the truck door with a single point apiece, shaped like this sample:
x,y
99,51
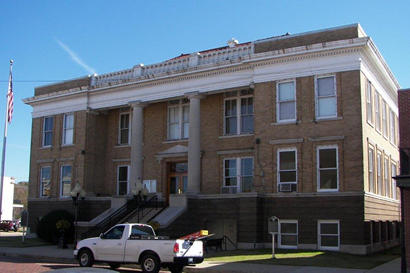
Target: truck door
x,y
110,247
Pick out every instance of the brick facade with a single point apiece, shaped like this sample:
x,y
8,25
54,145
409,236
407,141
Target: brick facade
x,y
96,155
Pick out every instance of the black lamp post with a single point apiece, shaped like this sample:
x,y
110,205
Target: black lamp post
x,y
76,194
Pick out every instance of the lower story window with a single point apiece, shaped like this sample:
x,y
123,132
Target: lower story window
x,y
288,234
45,181
122,187
328,234
66,175
238,175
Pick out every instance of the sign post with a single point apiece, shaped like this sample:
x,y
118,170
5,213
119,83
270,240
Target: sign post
x,y
273,227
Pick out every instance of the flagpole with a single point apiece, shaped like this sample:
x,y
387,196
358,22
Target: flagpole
x,y
4,140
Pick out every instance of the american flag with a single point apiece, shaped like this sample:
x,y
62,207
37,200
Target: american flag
x,y
10,96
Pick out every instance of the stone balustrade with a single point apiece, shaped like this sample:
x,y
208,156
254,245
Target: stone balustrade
x,y
175,65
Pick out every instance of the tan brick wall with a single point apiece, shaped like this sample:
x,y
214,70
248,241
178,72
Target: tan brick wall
x,y
57,155
97,135
376,140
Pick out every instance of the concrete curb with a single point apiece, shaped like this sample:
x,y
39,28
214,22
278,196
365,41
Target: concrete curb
x,y
39,257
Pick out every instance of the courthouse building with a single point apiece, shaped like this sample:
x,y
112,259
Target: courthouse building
x,y
300,126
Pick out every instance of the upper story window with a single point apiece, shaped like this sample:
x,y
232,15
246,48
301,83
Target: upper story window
x,y
48,131
393,128
238,175
326,98
384,119
45,181
369,102
377,111
66,175
124,130
238,114
286,101
178,119
68,129
327,168
287,170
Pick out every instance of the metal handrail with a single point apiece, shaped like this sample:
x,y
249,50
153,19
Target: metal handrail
x,y
226,238
119,214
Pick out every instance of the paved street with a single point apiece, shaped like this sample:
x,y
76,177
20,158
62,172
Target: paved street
x,y
29,265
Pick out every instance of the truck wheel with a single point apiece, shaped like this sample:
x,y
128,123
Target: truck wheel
x,y
150,264
176,268
114,265
86,258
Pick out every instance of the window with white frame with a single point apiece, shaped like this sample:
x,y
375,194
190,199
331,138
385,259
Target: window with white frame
x,y
377,111
371,170
45,181
66,177
384,120
287,168
122,180
326,98
124,129
328,234
238,112
178,119
238,175
379,173
48,131
68,129
387,182
369,102
327,168
286,101
393,184
288,234
392,127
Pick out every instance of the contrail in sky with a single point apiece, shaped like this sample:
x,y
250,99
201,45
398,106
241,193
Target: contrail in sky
x,y
76,58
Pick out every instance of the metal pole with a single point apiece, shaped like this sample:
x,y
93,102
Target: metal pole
x,y
4,143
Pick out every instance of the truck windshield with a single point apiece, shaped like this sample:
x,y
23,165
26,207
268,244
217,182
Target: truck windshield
x,y
141,230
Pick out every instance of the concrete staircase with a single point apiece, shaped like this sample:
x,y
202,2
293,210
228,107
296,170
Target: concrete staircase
x,y
177,206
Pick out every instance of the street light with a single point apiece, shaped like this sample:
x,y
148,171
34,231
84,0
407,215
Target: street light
x,y
76,193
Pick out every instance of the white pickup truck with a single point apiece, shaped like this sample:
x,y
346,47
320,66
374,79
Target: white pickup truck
x,y
138,244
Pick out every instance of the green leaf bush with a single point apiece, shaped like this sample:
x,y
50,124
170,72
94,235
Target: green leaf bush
x,y
49,226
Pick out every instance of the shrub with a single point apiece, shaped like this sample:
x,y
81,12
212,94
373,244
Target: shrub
x,y
47,228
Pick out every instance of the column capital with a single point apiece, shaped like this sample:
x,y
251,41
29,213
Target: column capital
x,y
137,103
194,95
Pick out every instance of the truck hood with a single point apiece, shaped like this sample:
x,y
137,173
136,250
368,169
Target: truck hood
x,y
86,242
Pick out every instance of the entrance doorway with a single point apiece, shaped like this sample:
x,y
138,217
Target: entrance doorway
x,y
177,177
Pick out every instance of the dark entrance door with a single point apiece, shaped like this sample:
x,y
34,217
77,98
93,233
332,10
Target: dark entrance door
x,y
177,178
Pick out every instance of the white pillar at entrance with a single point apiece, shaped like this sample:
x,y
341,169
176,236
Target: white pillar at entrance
x,y
137,138
194,143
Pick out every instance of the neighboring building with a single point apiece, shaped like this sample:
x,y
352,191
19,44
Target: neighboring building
x,y
302,127
403,180
20,199
7,200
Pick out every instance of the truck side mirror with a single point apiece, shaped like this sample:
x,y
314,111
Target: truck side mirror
x,y
101,236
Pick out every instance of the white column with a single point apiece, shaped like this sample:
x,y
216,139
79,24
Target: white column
x,y
194,143
137,145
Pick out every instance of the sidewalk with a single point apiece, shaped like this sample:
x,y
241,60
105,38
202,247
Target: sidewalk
x,y
52,253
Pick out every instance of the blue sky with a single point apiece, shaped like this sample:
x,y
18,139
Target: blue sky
x,y
59,40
